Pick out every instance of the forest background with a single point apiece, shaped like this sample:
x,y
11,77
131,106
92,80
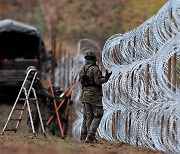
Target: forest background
x,y
76,19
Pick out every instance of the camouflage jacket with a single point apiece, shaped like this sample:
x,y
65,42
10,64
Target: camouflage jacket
x,y
93,93
37,85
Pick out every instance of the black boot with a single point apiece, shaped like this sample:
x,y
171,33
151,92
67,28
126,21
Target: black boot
x,y
90,139
83,137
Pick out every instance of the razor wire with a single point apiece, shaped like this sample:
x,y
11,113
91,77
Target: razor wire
x,y
141,103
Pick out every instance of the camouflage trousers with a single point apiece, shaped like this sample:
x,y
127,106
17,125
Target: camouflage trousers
x,y
92,115
35,118
54,127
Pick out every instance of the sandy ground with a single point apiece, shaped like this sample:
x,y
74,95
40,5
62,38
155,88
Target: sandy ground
x,y
23,142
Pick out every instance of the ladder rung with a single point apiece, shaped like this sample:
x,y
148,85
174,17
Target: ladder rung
x,y
11,130
23,99
32,99
16,119
18,109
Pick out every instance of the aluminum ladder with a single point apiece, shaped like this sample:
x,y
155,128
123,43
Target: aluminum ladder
x,y
26,100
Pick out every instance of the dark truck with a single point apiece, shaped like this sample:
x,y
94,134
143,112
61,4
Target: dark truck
x,y
20,46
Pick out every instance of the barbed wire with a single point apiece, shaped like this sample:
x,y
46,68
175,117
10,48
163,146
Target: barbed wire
x,y
141,99
140,102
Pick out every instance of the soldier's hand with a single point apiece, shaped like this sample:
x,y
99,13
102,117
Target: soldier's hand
x,y
107,75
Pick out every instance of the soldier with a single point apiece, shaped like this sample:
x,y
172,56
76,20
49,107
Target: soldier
x,y
91,80
63,113
42,94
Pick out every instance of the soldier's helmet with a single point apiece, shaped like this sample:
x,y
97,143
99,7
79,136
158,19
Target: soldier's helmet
x,y
90,55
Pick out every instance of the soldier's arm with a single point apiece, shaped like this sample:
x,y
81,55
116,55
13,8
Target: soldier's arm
x,y
98,78
47,94
38,86
81,74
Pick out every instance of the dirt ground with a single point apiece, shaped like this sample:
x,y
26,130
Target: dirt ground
x,y
27,143
23,142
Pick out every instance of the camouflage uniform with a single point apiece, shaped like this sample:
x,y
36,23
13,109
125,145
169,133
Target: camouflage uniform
x,y
63,113
91,96
42,94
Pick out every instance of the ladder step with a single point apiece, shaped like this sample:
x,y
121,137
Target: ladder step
x,y
13,129
16,119
32,99
23,99
19,109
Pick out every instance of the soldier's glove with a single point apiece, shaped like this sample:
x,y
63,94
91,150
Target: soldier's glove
x,y
107,75
71,102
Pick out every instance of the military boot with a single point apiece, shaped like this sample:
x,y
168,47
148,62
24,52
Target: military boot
x,y
83,137
90,139
96,140
83,134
